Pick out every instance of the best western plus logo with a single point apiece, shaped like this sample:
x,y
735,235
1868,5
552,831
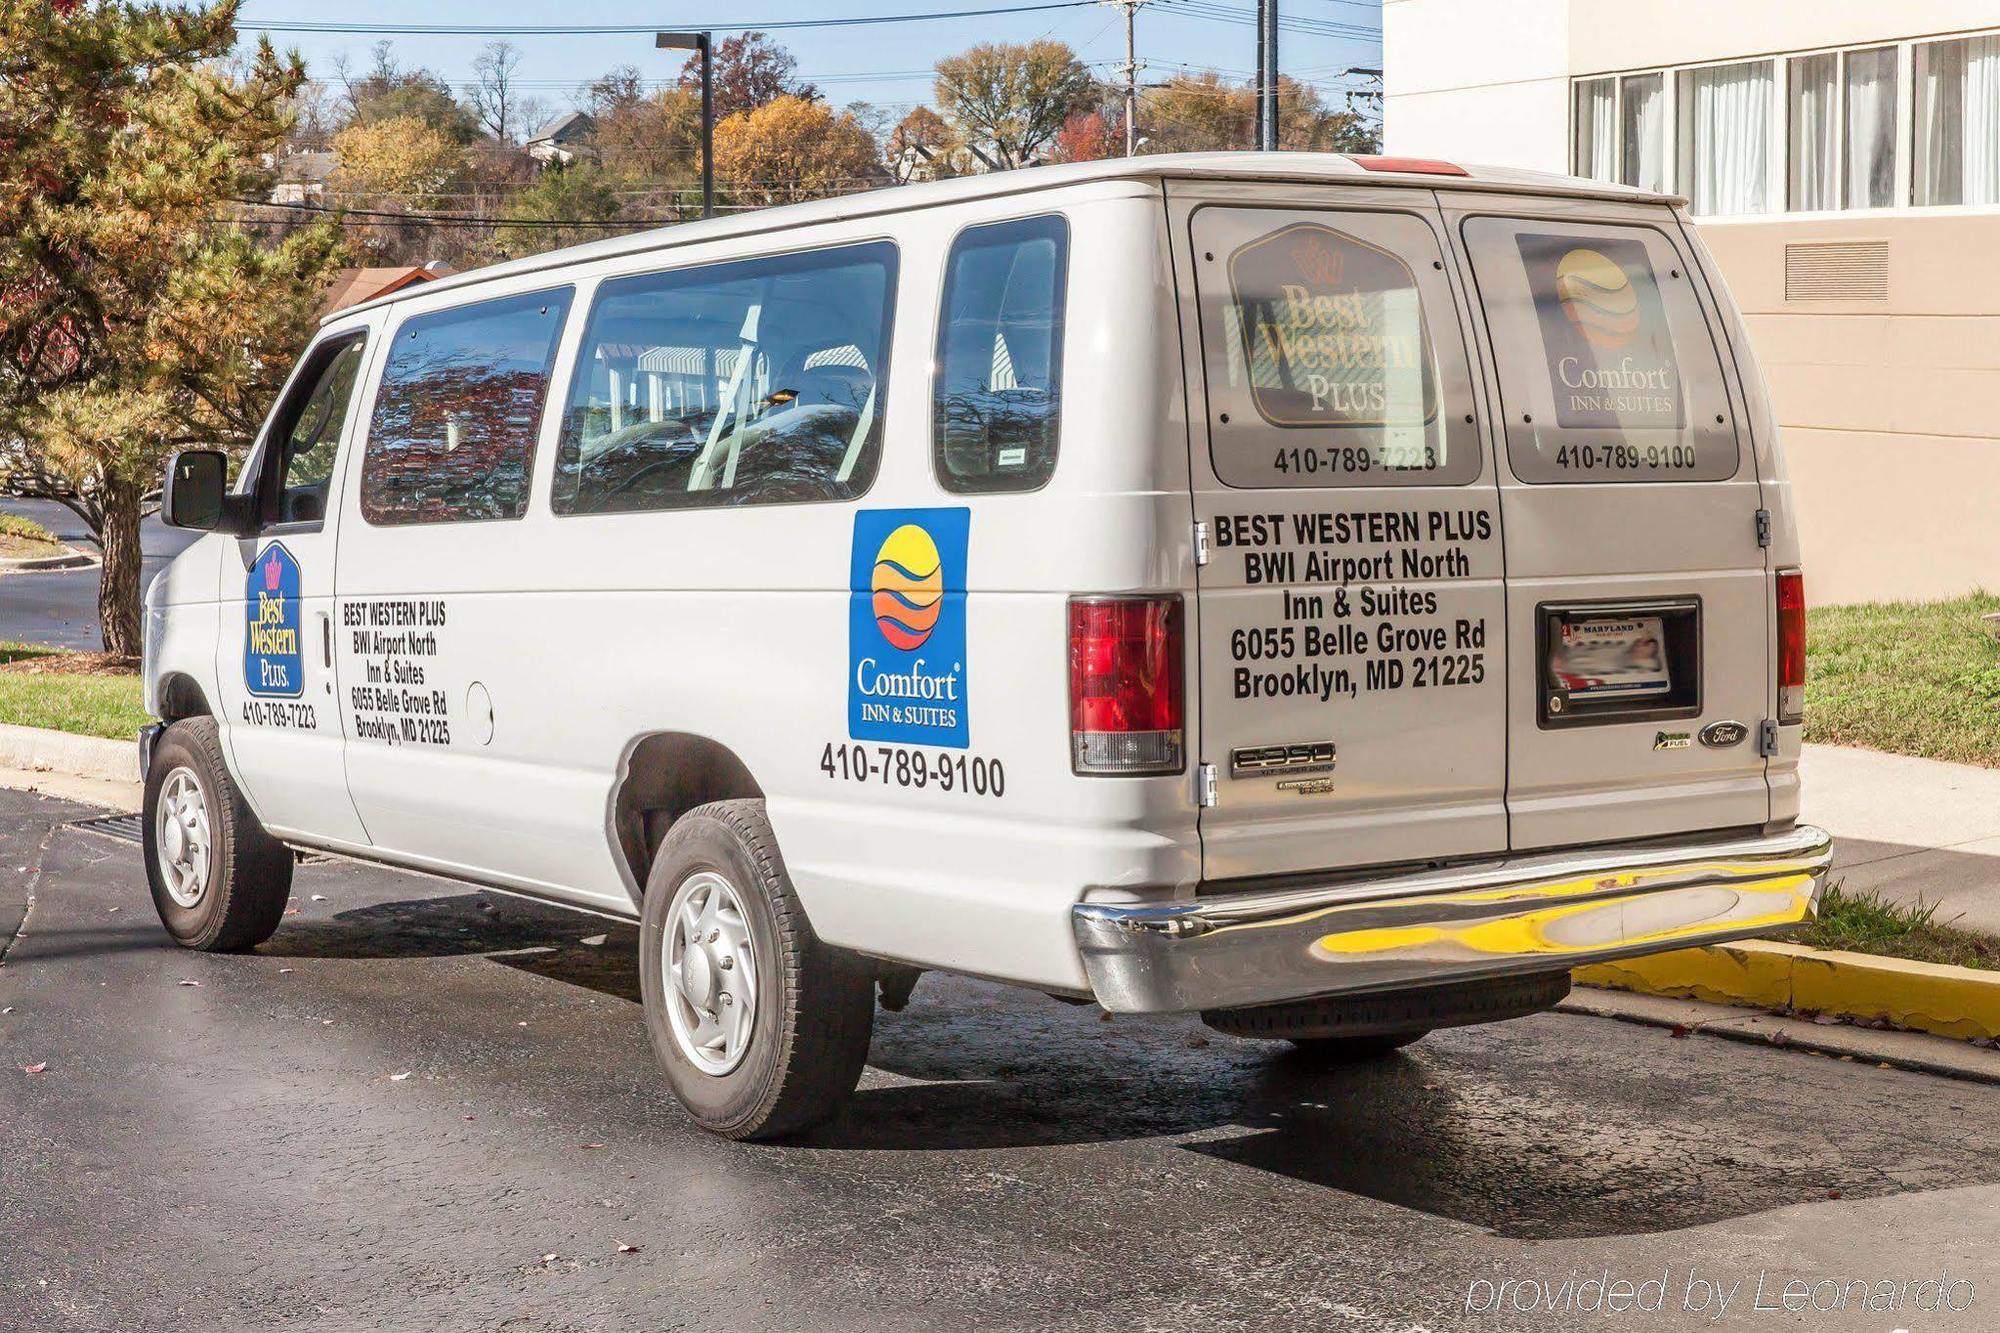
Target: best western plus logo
x,y
906,627
273,662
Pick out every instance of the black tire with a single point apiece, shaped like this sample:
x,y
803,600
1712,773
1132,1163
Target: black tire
x,y
815,1007
241,900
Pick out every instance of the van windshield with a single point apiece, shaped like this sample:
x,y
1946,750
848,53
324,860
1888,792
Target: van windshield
x,y
1607,368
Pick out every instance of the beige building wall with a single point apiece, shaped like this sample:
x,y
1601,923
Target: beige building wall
x,y
1889,406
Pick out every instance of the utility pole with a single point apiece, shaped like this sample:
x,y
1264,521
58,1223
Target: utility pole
x,y
700,43
1267,75
1130,69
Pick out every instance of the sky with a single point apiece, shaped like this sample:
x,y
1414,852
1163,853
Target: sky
x,y
887,65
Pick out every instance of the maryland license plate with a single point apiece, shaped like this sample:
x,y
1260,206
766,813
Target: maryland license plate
x,y
1623,658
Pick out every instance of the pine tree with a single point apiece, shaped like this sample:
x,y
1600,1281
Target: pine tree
x,y
134,319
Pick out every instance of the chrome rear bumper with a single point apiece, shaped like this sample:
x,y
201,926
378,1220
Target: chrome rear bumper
x,y
1534,913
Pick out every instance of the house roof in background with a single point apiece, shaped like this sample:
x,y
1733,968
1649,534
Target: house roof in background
x,y
564,127
352,286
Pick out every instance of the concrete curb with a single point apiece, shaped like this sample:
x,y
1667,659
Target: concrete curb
x,y
74,560
46,751
1937,998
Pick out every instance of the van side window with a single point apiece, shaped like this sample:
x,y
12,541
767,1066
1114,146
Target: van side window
x,y
757,381
453,435
998,395
307,434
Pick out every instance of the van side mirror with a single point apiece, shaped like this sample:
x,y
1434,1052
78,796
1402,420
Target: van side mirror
x,y
194,493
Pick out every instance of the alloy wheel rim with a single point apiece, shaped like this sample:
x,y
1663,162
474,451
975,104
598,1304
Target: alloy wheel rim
x,y
708,969
184,840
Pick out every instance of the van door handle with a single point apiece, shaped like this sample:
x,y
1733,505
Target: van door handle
x,y
326,638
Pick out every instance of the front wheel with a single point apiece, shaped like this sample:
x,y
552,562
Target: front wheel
x,y
220,882
761,1028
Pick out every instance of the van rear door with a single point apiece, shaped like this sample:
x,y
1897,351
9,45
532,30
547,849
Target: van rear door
x,y
1639,654
1350,624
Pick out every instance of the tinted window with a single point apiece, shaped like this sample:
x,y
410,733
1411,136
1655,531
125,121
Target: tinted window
x,y
309,431
998,391
1607,369
453,436
754,382
1331,350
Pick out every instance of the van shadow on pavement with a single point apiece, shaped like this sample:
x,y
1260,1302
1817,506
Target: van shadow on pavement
x,y
1498,1127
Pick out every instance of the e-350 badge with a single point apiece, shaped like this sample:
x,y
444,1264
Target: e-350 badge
x,y
1281,761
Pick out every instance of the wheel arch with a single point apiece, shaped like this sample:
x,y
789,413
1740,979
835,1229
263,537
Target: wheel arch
x,y
180,696
662,776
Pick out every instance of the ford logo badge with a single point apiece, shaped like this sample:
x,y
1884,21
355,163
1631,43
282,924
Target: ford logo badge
x,y
1722,735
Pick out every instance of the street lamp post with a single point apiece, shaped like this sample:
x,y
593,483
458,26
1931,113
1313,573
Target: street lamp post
x,y
699,42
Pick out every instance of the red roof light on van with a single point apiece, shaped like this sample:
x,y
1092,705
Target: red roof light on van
x,y
1414,166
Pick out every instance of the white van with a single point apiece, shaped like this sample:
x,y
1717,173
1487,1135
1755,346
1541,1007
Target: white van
x,y
1336,595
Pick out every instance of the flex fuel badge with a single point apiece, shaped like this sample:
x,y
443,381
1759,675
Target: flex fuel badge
x,y
906,627
273,661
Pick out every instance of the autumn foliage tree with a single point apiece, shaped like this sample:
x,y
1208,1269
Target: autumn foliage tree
x,y
747,71
791,150
133,319
1013,99
1206,113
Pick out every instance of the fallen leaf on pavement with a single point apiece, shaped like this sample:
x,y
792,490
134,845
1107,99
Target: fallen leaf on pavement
x,y
34,1069
623,1248
548,1258
291,911
8,1010
1682,1030
593,1145
117,909
319,897
594,940
189,981
398,1078
283,970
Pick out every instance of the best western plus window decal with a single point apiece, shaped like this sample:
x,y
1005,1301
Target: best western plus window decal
x,y
906,627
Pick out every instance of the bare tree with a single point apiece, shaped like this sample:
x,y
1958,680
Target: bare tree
x,y
495,96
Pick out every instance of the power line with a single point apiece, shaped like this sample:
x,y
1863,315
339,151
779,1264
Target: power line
x,y
627,29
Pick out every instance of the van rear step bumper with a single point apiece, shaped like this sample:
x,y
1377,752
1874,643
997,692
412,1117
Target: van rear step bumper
x,y
1537,913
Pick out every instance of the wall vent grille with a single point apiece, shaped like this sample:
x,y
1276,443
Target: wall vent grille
x,y
1837,271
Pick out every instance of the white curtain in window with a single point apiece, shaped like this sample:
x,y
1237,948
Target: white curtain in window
x,y
1958,122
1814,144
1728,128
1982,120
1597,129
1645,124
1871,128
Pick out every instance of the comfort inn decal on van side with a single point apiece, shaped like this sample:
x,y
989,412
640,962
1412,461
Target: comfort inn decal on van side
x,y
273,659
906,627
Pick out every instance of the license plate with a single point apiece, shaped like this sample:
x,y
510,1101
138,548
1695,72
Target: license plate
x,y
1605,659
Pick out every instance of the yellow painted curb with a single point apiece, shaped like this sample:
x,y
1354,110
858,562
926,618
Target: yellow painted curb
x,y
1927,997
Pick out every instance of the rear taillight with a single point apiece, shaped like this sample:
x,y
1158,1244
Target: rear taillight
x,y
1791,645
1127,710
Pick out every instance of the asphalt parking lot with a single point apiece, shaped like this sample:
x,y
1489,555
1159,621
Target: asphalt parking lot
x,y
425,1106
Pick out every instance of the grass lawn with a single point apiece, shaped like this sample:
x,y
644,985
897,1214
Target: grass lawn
x,y
76,692
1868,923
1919,678
25,539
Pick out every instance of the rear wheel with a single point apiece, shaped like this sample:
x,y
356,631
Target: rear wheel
x,y
761,1028
220,882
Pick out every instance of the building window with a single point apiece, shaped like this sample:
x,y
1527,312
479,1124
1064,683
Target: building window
x,y
1958,122
1814,156
1869,89
453,436
1725,137
1643,122
1596,149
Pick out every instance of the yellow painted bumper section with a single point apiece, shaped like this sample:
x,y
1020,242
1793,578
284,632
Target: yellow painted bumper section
x,y
1575,928
1924,997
